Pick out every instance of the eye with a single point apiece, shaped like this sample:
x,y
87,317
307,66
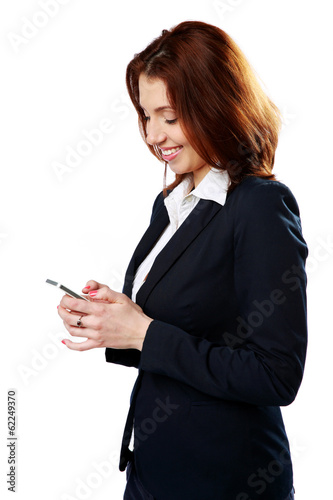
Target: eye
x,y
145,118
171,122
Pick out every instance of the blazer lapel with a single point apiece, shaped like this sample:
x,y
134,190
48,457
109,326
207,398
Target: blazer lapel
x,y
146,243
196,221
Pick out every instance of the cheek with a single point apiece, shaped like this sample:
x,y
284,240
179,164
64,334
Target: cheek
x,y
195,158
178,135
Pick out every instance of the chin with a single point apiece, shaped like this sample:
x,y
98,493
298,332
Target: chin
x,y
179,170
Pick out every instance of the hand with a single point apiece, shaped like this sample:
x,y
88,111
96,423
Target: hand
x,y
109,319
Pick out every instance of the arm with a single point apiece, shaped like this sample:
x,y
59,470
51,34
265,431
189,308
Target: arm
x,y
263,364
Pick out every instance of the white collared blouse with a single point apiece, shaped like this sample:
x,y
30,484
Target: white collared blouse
x,y
179,203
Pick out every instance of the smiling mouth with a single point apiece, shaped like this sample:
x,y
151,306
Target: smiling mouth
x,y
171,151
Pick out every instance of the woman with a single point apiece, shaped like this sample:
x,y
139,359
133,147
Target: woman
x,y
213,309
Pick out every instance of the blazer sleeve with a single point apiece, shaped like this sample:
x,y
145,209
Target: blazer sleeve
x,y
131,357
263,364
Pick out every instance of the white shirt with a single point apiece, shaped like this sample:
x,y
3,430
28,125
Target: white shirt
x,y
179,203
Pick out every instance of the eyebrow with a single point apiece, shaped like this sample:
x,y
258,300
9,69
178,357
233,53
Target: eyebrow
x,y
160,108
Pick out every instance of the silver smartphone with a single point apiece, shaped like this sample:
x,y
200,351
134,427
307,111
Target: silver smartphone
x,y
66,290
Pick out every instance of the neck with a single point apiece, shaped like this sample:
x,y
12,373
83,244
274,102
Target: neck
x,y
199,174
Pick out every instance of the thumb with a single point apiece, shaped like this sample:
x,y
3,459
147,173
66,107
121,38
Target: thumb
x,y
92,285
105,294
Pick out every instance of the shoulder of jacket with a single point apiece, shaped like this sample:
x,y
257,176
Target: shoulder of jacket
x,y
258,191
256,195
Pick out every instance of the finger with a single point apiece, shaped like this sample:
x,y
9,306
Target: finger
x,y
78,305
63,314
92,285
89,325
80,346
106,294
71,318
82,331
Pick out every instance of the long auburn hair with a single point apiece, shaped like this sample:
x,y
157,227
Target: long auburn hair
x,y
224,113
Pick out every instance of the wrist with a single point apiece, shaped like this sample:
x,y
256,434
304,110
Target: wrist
x,y
144,324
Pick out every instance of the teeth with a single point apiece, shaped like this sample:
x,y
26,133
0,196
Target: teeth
x,y
168,152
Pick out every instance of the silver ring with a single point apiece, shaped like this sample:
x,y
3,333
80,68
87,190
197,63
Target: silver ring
x,y
79,322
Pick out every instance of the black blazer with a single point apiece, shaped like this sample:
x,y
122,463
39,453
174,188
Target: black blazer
x,y
226,348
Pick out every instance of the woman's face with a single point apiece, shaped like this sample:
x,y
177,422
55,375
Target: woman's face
x,y
164,130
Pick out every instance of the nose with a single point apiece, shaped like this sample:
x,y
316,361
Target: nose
x,y
155,132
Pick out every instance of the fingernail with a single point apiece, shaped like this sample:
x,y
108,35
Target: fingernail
x,y
92,294
87,287
57,307
63,342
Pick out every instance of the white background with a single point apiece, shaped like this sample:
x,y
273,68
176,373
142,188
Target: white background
x,y
62,79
